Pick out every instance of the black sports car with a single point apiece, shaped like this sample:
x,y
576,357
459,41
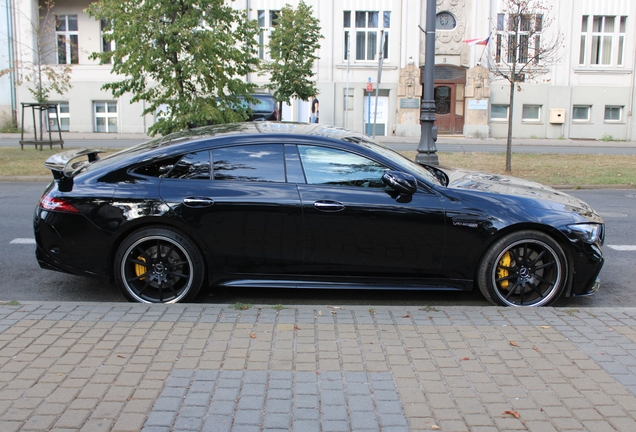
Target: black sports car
x,y
295,205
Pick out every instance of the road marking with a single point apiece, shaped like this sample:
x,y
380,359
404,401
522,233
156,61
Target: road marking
x,y
22,241
622,247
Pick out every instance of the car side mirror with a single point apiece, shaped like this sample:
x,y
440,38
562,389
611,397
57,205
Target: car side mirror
x,y
401,182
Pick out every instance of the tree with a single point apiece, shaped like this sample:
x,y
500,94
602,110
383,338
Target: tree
x,y
187,59
42,72
44,75
292,47
523,50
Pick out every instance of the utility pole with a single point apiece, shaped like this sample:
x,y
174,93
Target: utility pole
x,y
426,150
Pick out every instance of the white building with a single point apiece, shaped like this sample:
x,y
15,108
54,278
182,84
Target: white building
x,y
589,93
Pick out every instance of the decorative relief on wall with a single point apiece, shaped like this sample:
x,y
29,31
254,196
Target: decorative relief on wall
x,y
409,85
477,86
450,41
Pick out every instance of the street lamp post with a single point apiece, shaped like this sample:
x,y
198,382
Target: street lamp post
x,y
426,150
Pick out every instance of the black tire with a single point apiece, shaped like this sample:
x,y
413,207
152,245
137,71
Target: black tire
x,y
525,268
158,265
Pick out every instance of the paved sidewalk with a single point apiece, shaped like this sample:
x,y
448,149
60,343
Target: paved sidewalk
x,y
129,367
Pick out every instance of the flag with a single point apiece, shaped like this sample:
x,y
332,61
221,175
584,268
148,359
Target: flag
x,y
471,42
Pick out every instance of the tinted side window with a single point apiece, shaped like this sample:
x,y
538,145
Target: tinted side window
x,y
339,168
192,166
259,162
158,168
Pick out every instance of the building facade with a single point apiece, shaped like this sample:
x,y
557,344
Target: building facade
x,y
585,92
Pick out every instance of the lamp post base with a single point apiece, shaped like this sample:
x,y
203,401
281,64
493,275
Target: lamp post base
x,y
427,158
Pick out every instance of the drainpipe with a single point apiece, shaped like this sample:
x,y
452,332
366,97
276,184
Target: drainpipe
x,y
11,45
631,97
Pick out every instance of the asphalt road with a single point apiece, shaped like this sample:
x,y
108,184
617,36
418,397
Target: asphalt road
x,y
23,280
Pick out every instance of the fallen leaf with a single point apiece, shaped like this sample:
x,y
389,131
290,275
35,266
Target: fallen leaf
x,y
435,427
536,349
465,358
545,327
296,327
407,316
333,312
513,343
512,413
120,356
252,335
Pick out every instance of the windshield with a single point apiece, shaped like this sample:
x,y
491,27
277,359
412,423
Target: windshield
x,y
265,104
400,160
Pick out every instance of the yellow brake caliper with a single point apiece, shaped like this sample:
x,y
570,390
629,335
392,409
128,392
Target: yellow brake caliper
x,y
140,269
502,272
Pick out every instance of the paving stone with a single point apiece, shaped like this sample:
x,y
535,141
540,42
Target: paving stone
x,y
115,367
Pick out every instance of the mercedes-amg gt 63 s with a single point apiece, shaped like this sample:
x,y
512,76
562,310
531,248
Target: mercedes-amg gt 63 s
x,y
291,205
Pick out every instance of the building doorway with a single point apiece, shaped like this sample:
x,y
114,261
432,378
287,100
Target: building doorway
x,y
450,82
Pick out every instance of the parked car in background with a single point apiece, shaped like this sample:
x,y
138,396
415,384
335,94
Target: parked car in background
x,y
264,109
293,205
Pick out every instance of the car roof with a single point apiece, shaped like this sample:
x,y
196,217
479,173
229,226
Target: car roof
x,y
257,128
190,138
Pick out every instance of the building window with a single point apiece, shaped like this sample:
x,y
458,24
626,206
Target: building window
x,y
105,117
603,40
531,113
67,39
105,28
518,38
581,113
63,114
267,20
499,112
613,113
584,24
371,29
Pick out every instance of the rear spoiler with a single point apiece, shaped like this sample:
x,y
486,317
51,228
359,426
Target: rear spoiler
x,y
62,165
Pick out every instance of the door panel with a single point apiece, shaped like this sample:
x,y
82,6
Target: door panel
x,y
249,228
242,208
371,234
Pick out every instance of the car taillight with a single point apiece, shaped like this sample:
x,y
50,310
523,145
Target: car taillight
x,y
275,113
57,204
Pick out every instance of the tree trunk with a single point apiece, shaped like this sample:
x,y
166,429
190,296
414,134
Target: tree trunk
x,y
509,137
280,111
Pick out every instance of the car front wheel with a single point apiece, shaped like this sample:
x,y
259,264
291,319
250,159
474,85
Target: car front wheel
x,y
525,268
158,265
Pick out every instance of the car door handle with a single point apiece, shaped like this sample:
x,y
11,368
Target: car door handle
x,y
329,206
198,202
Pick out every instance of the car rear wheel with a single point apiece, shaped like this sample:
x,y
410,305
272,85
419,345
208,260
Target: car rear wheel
x,y
158,265
526,268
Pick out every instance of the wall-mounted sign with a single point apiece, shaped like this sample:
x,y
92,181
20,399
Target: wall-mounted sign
x,y
481,104
409,103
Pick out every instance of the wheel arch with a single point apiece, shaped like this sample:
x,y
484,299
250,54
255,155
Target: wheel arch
x,y
150,222
554,233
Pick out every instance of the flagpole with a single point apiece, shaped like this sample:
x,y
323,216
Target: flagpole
x,y
484,50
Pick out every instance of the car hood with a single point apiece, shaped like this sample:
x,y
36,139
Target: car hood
x,y
532,193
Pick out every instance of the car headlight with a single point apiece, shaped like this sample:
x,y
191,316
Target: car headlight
x,y
588,232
